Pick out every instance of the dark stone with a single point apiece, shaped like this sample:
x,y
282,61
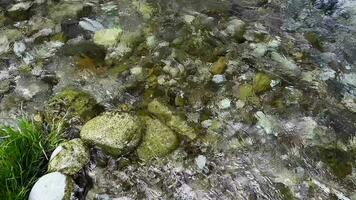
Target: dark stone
x,y
71,28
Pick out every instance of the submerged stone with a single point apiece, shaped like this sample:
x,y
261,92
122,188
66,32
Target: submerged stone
x,y
115,133
176,123
158,141
71,103
69,157
107,37
53,186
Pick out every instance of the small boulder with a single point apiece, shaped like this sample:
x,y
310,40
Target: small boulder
x,y
71,103
158,141
115,133
69,157
52,186
176,123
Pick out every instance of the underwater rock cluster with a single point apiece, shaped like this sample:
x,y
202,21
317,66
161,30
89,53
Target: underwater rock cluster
x,y
186,99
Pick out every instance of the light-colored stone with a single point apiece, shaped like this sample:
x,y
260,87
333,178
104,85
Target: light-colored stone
x,y
52,186
69,157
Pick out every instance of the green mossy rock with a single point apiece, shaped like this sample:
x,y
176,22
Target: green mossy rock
x,y
261,83
69,157
166,115
219,67
71,103
158,141
115,133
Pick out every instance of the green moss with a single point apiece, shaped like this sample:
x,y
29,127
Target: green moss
x,y
261,83
219,67
71,103
338,161
158,141
314,40
285,192
23,158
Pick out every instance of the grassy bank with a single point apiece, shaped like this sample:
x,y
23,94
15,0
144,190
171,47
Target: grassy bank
x,y
24,154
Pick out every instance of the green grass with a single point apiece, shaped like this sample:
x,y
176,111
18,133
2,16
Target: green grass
x,y
24,154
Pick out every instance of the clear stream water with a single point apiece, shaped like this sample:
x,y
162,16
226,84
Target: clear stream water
x,y
297,142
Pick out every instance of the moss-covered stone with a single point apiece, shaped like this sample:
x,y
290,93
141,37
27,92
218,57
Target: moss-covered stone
x,y
261,83
219,67
338,161
166,115
69,157
159,140
115,133
71,103
107,37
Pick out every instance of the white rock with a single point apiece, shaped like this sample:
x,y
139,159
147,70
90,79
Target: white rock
x,y
219,79
107,37
200,161
225,103
136,71
90,25
52,186
19,48
267,123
